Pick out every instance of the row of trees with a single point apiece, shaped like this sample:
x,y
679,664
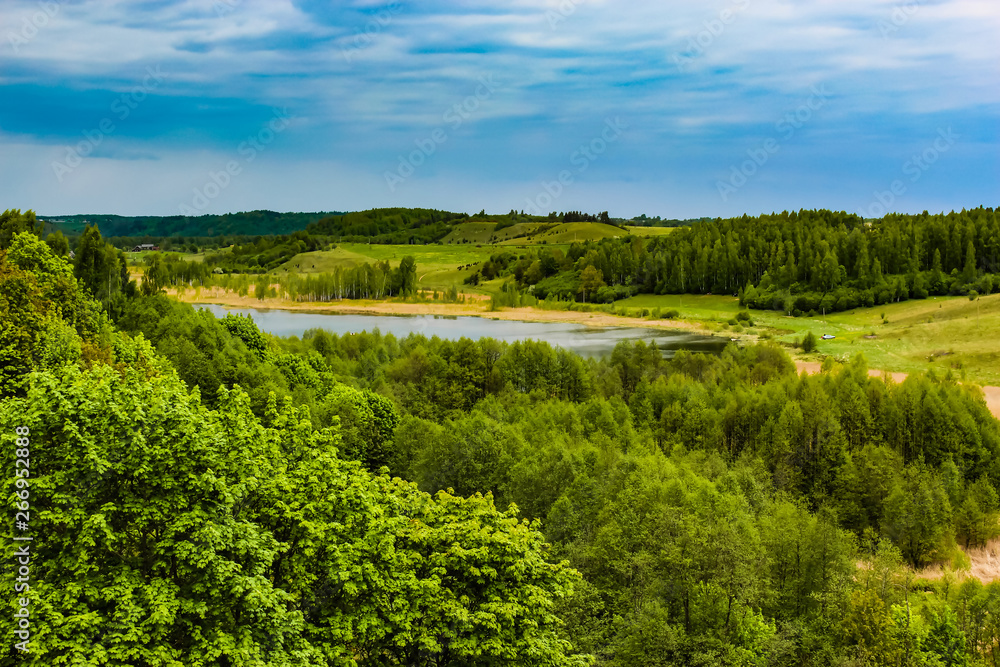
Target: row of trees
x,y
794,261
365,281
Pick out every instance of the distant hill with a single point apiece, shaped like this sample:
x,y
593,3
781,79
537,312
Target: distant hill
x,y
248,223
643,221
383,226
389,225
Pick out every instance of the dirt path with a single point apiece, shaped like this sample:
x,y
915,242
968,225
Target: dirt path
x,y
992,394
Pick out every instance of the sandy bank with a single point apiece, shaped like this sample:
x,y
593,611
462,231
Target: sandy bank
x,y
480,309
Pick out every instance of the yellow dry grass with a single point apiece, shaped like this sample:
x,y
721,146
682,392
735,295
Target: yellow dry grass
x,y
984,565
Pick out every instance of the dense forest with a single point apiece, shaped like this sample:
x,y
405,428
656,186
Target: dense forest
x,y
203,493
389,225
809,262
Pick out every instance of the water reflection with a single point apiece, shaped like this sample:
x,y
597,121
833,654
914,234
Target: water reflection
x,y
586,341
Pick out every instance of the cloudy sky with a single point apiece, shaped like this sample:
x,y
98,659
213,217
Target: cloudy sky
x,y
677,109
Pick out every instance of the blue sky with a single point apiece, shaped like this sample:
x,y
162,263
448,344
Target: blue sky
x,y
677,109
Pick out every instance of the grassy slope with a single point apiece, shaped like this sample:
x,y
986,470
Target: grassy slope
x,y
531,233
559,234
650,231
941,334
470,232
579,231
438,266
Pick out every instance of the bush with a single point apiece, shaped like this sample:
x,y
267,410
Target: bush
x,y
809,342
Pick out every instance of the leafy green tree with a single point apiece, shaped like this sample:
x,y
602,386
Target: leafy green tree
x,y
869,624
969,270
946,640
46,321
407,275
100,267
809,342
918,515
13,222
591,280
155,277
244,328
367,424
137,535
194,534
58,243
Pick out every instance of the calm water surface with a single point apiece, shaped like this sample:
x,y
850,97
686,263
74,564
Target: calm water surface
x,y
587,341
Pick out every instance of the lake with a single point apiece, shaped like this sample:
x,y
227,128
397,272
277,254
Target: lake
x,y
586,341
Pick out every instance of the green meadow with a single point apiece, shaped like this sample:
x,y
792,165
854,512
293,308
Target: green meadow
x,y
938,334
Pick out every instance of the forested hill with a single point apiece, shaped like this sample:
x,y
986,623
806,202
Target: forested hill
x,y
248,223
389,225
201,493
821,251
386,225
796,261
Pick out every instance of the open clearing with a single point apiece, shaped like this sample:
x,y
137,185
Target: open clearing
x,y
939,334
548,233
438,266
984,565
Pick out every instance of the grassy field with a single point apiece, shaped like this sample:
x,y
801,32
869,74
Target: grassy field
x,y
939,333
532,233
650,231
572,232
470,232
438,266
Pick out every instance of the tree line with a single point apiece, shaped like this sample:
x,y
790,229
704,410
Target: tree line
x,y
799,262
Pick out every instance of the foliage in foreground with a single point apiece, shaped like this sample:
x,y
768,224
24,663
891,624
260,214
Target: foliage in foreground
x,y
168,533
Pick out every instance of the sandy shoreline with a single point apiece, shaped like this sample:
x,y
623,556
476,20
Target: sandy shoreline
x,y
481,309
